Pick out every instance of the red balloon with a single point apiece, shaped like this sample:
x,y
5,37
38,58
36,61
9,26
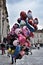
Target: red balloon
x,y
31,34
35,26
23,15
30,22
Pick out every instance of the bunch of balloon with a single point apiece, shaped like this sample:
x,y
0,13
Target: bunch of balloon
x,y
19,36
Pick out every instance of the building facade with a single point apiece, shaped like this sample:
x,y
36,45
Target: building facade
x,y
4,22
38,37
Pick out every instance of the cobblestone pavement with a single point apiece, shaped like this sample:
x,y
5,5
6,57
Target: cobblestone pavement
x,y
35,59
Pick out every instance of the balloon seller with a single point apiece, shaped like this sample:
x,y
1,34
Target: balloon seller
x,y
19,36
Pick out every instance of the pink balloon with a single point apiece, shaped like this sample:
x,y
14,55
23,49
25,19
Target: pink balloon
x,y
26,44
18,30
29,44
12,32
12,29
26,31
22,53
15,42
21,38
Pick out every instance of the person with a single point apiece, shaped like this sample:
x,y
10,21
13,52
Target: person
x,y
16,53
4,44
38,46
2,48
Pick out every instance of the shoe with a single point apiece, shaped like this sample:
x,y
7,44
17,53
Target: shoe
x,y
12,63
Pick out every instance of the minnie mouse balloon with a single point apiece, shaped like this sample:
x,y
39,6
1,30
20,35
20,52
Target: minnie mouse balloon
x,y
19,20
17,31
26,31
29,15
35,21
15,26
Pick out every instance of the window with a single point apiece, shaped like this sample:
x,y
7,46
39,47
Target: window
x,y
40,35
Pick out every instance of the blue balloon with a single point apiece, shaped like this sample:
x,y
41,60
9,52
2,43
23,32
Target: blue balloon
x,y
29,27
17,50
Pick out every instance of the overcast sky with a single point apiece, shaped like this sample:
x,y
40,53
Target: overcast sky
x,y
15,6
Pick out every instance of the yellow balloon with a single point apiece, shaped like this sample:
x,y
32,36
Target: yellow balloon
x,y
12,51
9,49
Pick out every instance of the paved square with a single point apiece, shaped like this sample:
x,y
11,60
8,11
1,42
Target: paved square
x,y
35,59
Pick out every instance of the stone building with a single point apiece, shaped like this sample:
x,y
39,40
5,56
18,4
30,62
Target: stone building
x,y
38,37
4,22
